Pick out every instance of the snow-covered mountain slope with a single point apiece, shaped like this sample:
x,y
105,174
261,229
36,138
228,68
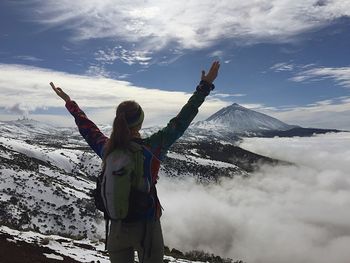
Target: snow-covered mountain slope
x,y
47,189
240,120
47,173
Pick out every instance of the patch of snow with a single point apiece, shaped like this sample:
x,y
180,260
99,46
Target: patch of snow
x,y
201,161
219,164
53,256
177,156
4,197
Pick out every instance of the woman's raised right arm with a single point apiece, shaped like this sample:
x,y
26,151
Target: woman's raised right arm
x,y
91,133
160,142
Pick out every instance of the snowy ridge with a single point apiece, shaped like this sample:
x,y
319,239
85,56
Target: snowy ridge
x,y
26,127
198,160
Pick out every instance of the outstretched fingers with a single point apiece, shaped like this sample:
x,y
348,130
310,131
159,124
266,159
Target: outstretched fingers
x,y
60,92
215,67
212,73
54,88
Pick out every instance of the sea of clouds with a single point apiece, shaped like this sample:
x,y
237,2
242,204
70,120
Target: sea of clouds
x,y
298,213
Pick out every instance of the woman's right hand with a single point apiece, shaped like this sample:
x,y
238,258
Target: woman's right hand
x,y
212,74
60,92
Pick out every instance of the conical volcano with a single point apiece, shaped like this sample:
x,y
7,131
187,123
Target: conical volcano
x,y
238,119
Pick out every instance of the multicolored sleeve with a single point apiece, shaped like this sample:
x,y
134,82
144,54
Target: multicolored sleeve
x,y
91,133
163,139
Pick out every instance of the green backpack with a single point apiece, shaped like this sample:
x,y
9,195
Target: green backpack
x,y
122,191
122,179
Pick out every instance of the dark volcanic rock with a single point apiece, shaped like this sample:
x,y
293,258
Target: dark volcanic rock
x,y
15,251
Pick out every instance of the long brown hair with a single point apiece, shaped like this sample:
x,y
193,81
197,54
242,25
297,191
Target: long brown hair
x,y
121,134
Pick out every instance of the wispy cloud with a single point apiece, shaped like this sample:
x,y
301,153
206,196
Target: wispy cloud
x,y
340,75
23,85
98,71
217,54
283,67
172,55
105,58
227,95
254,106
189,24
28,58
312,72
129,57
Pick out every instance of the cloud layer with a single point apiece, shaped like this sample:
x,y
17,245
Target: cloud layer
x,y
189,24
292,214
24,89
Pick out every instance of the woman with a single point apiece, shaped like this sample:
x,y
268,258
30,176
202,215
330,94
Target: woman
x,y
132,234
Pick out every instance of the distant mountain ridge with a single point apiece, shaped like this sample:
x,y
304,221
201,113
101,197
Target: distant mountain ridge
x,y
236,120
229,124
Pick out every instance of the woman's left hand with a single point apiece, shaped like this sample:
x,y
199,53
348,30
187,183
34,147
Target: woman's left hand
x,y
60,92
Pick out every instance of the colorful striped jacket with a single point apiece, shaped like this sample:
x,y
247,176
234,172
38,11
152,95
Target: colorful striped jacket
x,y
156,145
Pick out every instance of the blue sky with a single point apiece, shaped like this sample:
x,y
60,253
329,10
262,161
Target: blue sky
x,y
288,59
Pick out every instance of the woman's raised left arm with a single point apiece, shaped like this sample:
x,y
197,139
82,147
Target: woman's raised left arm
x,y
88,129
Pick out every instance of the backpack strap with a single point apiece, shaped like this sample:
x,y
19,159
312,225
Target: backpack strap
x,y
107,232
138,173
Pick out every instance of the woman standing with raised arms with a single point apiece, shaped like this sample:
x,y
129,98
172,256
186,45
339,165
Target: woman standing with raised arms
x,y
132,234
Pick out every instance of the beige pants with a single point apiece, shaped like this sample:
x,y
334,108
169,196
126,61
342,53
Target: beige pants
x,y
125,238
